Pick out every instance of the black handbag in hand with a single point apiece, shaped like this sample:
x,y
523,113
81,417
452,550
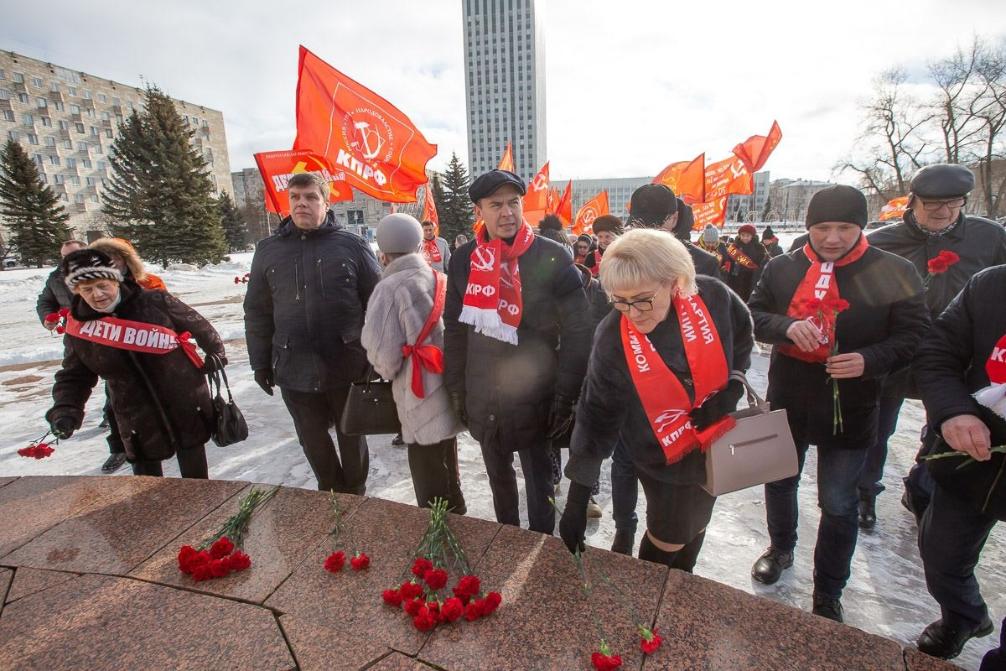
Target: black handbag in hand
x,y
370,408
229,424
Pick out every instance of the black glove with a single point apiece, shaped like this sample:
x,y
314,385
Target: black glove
x,y
62,427
263,378
574,517
458,403
213,362
561,417
717,406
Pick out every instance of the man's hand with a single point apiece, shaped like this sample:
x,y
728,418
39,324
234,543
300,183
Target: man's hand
x,y
845,366
62,427
263,378
804,335
458,404
561,417
968,434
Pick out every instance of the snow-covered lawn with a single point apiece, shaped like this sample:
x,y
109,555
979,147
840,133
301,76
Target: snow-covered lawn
x,y
886,595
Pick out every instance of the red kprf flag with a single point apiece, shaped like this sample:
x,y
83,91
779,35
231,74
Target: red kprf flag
x,y
755,150
686,179
591,210
277,167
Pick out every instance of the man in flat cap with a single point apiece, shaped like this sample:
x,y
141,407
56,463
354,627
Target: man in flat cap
x,y
512,297
840,314
656,206
934,223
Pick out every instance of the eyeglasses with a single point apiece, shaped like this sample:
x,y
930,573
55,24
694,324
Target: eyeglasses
x,y
642,305
934,205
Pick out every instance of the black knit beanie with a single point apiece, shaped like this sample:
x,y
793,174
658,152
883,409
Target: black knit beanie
x,y
837,203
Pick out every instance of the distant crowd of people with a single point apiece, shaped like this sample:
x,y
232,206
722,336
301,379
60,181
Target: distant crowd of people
x,y
631,344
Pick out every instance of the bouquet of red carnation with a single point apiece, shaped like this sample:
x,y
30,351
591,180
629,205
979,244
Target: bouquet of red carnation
x,y
425,596
337,559
830,307
39,448
242,279
221,554
940,264
59,318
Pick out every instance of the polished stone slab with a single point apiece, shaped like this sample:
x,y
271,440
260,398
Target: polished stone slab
x,y
545,621
132,518
5,581
282,532
399,662
106,622
920,661
339,620
30,580
6,481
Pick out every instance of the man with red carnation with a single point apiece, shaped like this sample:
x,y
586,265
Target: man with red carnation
x,y
948,247
841,315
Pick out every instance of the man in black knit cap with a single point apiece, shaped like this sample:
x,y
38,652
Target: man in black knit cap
x,y
656,206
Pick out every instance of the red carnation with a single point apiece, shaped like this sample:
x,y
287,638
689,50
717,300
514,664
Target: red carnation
x,y
64,312
452,609
60,330
335,561
604,662
221,548
238,561
424,620
219,568
51,317
202,572
237,280
436,578
412,606
392,597
187,558
467,587
837,304
490,603
410,590
937,266
360,562
473,611
649,640
813,304
434,608
421,566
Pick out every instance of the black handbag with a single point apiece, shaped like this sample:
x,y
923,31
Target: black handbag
x,y
229,424
370,408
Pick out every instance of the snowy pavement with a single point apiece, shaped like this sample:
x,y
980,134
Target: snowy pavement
x,y
886,595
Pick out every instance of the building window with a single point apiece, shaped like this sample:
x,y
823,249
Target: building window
x,y
79,198
37,82
71,163
59,106
4,94
108,133
54,87
18,78
50,141
68,144
41,103
47,122
54,160
81,146
63,125
105,116
22,98
3,75
8,115
102,98
86,163
27,120
32,138
79,127
74,109
90,181
72,90
87,94
102,166
93,198
73,179
94,131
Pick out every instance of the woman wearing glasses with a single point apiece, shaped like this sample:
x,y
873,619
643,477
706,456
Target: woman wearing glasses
x,y
662,378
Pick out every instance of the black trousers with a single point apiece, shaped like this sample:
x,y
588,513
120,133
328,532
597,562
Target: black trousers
x,y
115,445
536,465
435,474
191,463
313,415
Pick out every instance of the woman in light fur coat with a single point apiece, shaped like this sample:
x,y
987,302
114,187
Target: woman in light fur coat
x,y
396,313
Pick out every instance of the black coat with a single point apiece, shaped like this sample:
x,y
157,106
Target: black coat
x,y
950,366
598,300
885,322
741,279
161,401
55,295
510,389
307,292
705,263
610,407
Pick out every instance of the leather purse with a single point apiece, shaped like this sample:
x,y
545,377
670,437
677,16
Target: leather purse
x,y
759,449
229,423
370,408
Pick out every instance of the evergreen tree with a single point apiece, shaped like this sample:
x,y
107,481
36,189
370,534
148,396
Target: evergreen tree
x,y
32,212
233,223
160,192
454,207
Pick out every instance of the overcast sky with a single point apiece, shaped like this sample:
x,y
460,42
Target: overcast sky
x,y
632,85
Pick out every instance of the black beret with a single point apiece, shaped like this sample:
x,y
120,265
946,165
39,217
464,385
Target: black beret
x,y
943,181
652,203
837,203
487,183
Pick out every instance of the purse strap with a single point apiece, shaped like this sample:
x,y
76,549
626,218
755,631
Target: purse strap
x,y
754,400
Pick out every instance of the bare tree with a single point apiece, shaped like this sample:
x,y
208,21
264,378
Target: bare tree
x,y
989,107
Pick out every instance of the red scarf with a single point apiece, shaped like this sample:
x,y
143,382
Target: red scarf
x,y
431,251
819,283
596,268
428,356
995,367
493,303
664,399
740,257
133,336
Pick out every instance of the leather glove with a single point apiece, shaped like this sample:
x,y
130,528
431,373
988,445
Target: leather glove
x,y
574,517
263,378
719,405
213,362
62,427
458,403
561,417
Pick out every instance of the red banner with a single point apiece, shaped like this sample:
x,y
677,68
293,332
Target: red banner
x,y
725,177
714,212
536,199
382,153
564,208
591,210
277,167
755,150
895,208
430,209
686,179
506,161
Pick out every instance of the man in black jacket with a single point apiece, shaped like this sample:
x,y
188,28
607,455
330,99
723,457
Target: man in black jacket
x,y
826,372
934,223
511,298
307,292
960,370
656,206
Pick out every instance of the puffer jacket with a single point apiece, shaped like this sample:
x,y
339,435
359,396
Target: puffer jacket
x,y
398,310
307,292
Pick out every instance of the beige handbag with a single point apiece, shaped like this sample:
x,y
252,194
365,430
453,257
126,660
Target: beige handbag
x,y
759,449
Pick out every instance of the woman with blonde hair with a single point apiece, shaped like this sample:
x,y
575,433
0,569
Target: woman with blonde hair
x,y
663,376
128,261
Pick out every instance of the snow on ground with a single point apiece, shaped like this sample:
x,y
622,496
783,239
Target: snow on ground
x,y
886,594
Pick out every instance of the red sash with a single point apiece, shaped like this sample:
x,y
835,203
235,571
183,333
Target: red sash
x,y
740,257
664,398
493,302
819,286
995,367
596,268
428,356
133,336
431,252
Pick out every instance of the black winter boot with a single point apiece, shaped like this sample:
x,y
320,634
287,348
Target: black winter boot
x,y
624,540
946,642
867,512
829,607
770,565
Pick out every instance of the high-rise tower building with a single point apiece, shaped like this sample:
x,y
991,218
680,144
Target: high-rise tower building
x,y
504,83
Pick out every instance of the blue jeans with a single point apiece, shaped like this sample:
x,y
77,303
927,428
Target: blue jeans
x,y
870,482
838,473
624,490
